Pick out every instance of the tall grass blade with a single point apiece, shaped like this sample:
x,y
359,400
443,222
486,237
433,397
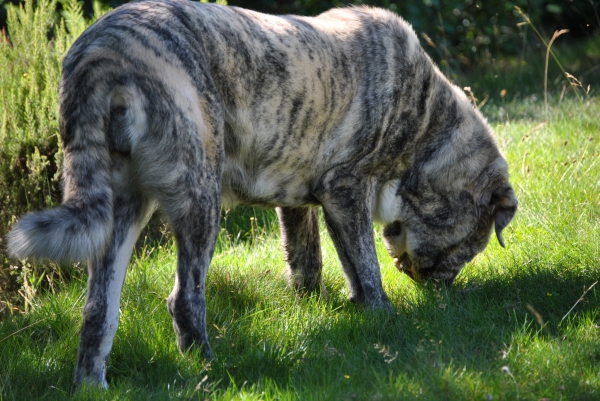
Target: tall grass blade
x,y
556,35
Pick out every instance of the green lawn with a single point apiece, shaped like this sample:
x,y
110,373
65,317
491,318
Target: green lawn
x,y
514,326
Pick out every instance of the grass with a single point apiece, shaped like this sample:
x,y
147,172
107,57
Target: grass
x,y
521,323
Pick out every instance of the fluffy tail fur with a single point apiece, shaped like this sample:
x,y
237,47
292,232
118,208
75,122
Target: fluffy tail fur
x,y
81,227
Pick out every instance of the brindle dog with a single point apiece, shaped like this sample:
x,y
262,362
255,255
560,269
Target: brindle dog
x,y
184,106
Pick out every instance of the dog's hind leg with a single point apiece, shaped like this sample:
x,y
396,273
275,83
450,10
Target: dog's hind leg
x,y
191,202
105,281
302,247
196,233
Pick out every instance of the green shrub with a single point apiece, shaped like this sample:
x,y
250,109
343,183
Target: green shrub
x,y
30,153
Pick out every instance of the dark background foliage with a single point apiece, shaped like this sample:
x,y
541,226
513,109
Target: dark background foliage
x,y
457,19
579,16
460,35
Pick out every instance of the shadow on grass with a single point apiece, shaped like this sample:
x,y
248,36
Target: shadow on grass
x,y
438,336
468,328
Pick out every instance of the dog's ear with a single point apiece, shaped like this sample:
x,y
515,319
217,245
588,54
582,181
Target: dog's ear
x,y
504,206
493,192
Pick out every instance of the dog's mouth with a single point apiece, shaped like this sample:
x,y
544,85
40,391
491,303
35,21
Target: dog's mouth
x,y
405,265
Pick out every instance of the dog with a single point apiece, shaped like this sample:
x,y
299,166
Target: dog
x,y
184,107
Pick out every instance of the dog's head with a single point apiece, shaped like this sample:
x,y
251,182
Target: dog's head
x,y
438,231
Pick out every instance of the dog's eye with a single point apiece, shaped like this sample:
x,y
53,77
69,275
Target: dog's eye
x,y
392,230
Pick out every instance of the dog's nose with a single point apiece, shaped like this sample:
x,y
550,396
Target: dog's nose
x,y
439,275
404,265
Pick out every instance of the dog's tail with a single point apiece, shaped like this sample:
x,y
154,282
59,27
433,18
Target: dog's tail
x,y
81,227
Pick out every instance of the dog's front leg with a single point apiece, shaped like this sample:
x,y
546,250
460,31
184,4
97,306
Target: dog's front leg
x,y
348,202
302,247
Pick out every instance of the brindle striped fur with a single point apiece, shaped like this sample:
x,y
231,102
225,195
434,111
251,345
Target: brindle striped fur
x,y
184,106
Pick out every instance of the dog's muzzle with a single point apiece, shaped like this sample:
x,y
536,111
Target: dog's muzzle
x,y
406,266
